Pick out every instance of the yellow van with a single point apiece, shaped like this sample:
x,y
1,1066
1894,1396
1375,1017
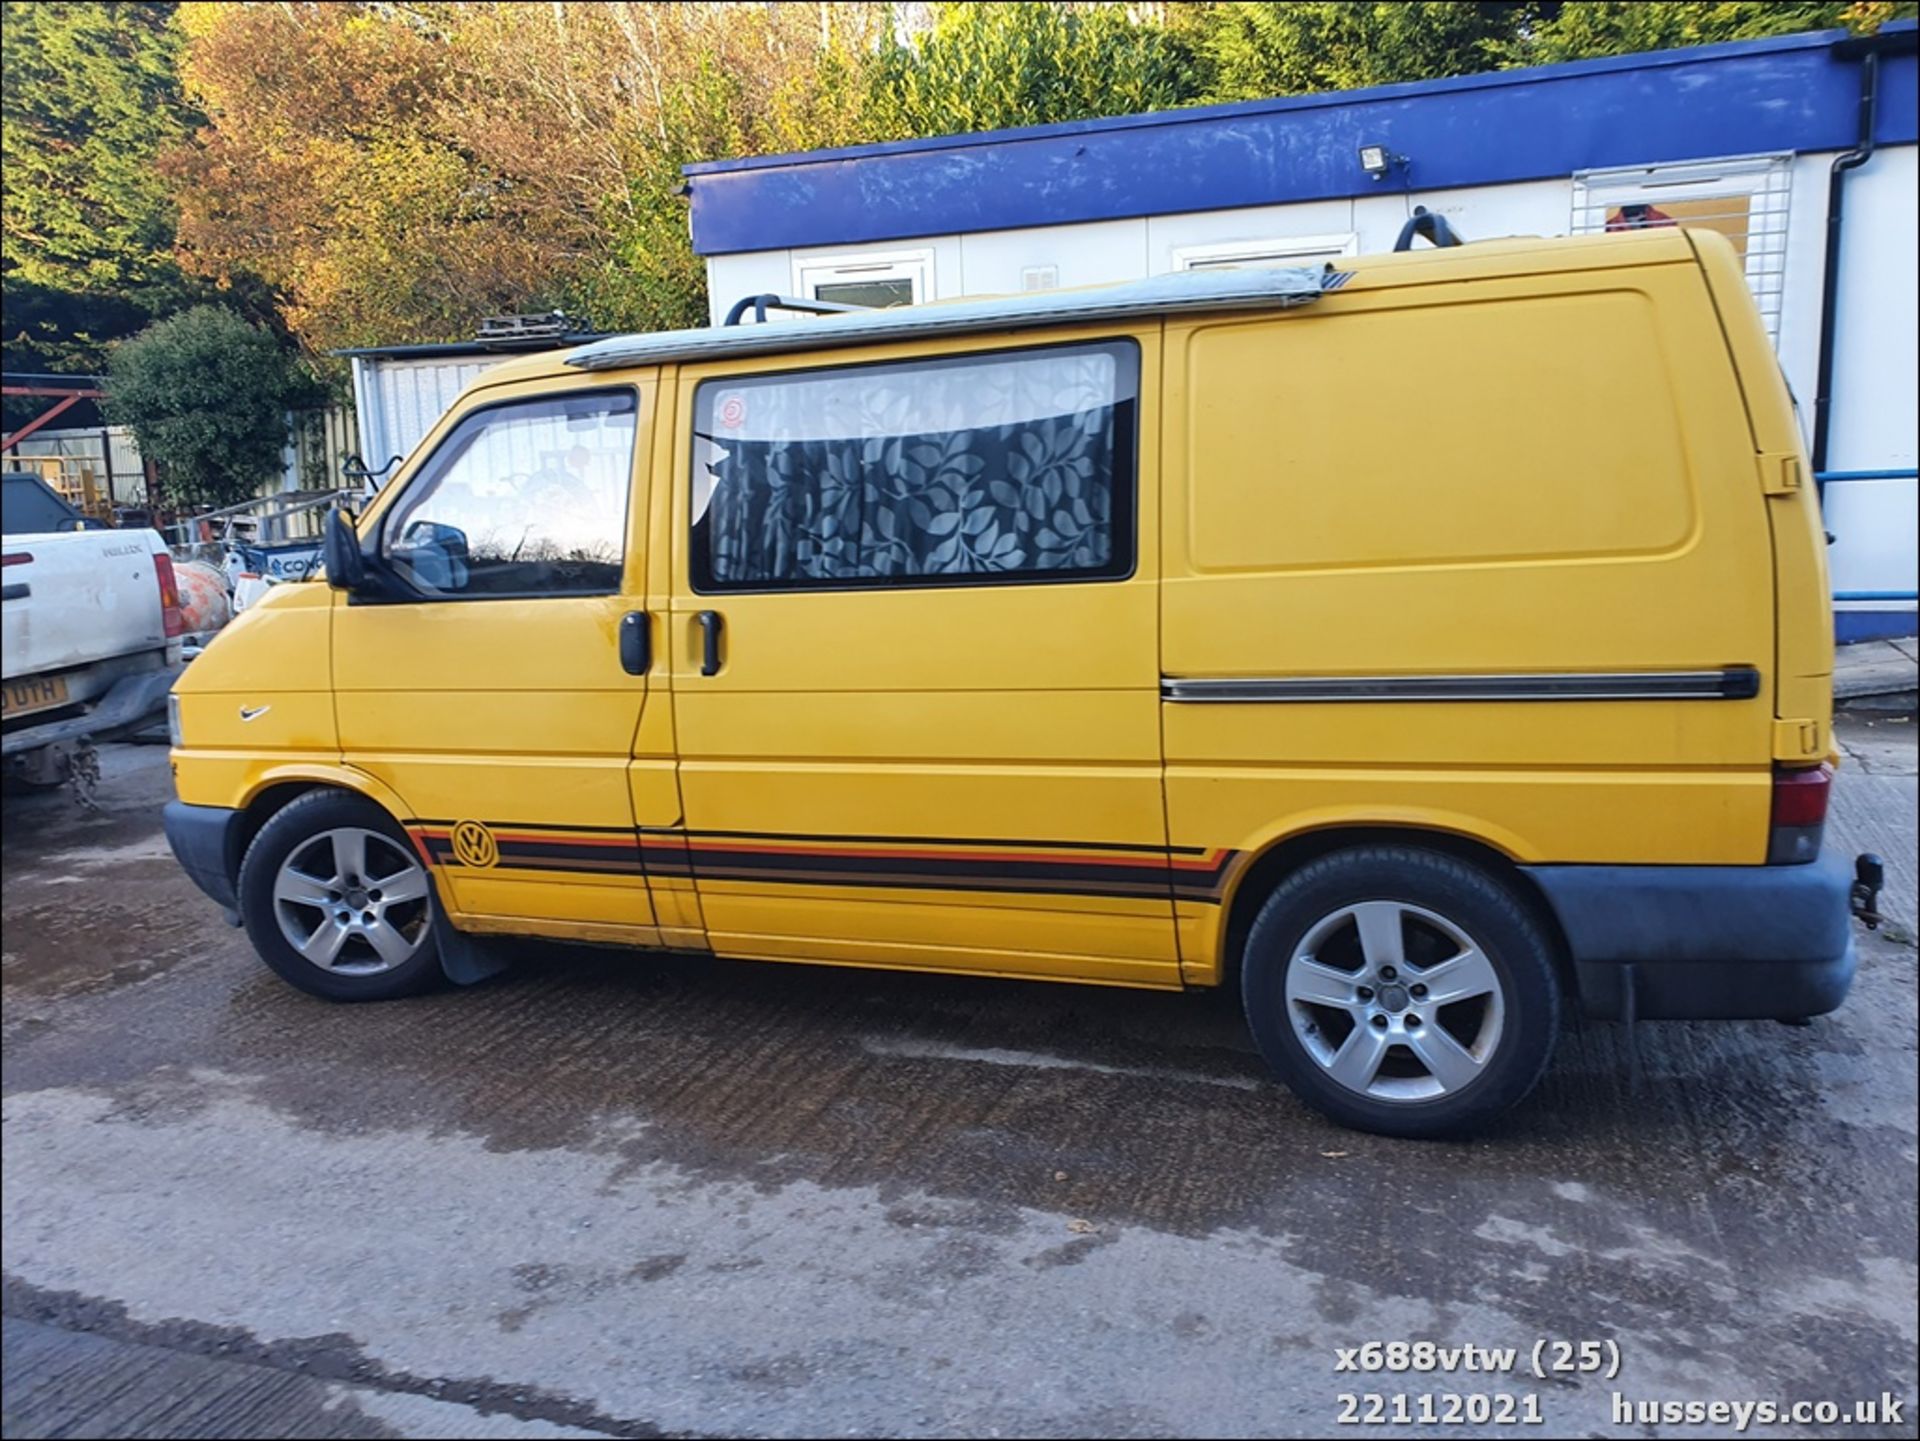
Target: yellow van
x,y
1424,648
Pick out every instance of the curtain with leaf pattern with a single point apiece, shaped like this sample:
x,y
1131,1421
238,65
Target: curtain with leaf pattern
x,y
1002,466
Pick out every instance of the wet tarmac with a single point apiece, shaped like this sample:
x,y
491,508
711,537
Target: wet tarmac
x,y
617,1194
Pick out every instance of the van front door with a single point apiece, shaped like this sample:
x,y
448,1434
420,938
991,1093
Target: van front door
x,y
915,669
498,687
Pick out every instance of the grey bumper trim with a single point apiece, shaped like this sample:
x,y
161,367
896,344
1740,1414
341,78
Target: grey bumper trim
x,y
202,838
1706,942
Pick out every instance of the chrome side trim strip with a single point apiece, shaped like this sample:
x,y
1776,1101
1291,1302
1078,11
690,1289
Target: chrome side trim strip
x,y
1733,682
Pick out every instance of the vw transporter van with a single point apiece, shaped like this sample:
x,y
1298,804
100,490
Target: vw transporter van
x,y
1424,649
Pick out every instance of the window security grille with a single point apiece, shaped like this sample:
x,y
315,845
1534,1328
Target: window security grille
x,y
1745,198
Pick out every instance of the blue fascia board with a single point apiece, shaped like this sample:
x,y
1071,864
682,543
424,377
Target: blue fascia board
x,y
1742,98
1853,626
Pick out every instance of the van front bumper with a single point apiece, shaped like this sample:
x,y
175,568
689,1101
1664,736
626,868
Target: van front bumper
x,y
204,841
1706,942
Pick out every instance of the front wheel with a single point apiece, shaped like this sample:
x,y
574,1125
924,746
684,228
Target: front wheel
x,y
1401,991
337,902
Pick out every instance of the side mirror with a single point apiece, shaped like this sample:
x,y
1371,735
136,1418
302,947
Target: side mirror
x,y
340,552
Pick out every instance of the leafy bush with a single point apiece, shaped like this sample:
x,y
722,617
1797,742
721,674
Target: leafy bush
x,y
207,395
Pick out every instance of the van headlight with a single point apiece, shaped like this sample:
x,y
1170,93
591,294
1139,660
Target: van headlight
x,y
173,721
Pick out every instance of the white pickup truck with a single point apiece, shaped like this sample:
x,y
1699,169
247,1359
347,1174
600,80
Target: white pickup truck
x,y
91,623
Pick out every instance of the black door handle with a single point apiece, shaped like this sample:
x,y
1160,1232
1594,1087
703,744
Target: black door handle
x,y
710,657
636,643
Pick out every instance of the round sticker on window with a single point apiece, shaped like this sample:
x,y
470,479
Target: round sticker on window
x,y
733,411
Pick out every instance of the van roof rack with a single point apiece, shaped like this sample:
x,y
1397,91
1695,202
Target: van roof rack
x,y
1163,294
544,326
761,304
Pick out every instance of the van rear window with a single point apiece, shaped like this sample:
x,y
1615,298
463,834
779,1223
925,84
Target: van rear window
x,y
999,467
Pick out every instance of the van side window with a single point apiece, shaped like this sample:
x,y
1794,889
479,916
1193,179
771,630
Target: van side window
x,y
1009,466
528,498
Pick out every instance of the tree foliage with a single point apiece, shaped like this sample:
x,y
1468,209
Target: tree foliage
x,y
206,395
439,162
1299,46
1582,31
589,111
321,170
996,66
91,97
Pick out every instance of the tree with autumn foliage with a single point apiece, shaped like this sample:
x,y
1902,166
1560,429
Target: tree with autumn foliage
x,y
439,162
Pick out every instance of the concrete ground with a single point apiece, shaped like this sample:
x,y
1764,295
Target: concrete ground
x,y
1877,676
621,1195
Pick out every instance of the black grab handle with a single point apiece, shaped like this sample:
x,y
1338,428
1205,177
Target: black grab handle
x,y
710,656
1425,223
636,652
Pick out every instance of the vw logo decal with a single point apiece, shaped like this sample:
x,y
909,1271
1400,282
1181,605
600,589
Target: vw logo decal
x,y
473,845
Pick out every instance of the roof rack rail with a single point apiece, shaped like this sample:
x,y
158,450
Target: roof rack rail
x,y
1434,227
1182,292
761,304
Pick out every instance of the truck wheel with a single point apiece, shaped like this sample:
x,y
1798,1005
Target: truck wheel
x,y
337,902
44,769
1401,991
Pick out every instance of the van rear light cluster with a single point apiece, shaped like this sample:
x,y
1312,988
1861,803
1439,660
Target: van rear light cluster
x,y
176,623
1799,813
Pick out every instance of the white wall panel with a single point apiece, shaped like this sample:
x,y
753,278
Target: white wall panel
x,y
1168,233
1875,381
763,272
1112,250
1877,366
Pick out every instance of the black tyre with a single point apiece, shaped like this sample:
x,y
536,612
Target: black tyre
x,y
336,900
1401,991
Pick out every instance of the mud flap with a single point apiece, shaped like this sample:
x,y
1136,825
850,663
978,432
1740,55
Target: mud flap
x,y
466,960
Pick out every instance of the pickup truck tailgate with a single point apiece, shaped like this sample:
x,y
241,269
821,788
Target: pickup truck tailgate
x,y
72,599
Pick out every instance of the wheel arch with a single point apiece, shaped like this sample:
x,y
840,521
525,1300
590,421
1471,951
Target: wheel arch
x,y
274,790
1261,873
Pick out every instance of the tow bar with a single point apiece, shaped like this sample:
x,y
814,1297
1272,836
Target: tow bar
x,y
1864,900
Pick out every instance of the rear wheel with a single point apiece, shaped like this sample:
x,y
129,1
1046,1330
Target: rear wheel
x,y
337,902
1401,991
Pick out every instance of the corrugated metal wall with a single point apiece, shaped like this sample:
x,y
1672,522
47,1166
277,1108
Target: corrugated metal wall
x,y
400,399
319,441
83,451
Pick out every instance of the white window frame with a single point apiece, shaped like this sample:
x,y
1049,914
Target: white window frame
x,y
913,266
1764,181
1293,247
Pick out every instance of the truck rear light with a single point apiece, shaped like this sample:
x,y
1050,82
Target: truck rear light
x,y
17,557
1799,813
175,622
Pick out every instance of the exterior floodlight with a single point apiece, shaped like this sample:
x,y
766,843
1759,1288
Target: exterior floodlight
x,y
1376,160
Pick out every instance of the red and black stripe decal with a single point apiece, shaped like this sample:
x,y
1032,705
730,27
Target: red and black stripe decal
x,y
887,862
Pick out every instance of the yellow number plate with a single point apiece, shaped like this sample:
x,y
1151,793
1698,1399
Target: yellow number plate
x,y
38,693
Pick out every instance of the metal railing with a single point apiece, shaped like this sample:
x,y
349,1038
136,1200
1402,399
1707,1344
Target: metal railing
x,y
263,510
1821,480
